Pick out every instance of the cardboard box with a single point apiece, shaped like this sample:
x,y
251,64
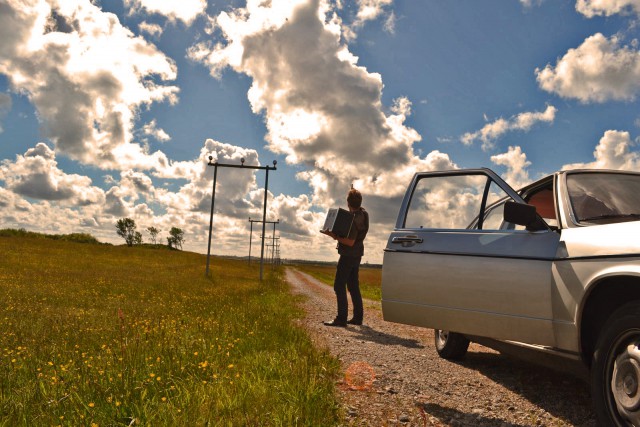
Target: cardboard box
x,y
338,221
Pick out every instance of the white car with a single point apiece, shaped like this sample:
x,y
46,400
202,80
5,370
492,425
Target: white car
x,y
554,266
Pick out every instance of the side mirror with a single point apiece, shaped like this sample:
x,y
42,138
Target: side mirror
x,y
520,214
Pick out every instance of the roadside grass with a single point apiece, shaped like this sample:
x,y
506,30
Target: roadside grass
x,y
113,336
370,278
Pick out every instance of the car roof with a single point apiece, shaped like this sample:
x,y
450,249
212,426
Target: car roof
x,y
546,178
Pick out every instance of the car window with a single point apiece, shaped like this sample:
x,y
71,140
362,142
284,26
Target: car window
x,y
543,200
599,198
450,202
494,213
456,201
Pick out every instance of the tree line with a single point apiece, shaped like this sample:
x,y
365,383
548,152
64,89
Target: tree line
x,y
127,229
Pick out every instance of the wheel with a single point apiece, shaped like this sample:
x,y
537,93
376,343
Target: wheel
x,y
615,369
450,345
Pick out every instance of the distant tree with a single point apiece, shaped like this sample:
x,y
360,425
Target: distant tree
x,y
126,228
154,234
177,238
137,238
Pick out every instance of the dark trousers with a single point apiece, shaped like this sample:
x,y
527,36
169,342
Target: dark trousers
x,y
347,278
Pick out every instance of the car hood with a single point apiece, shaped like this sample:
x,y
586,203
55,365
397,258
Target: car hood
x,y
601,240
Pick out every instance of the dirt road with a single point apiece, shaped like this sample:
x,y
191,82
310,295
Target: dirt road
x,y
393,375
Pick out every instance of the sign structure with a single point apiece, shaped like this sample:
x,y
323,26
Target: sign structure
x,y
217,165
251,221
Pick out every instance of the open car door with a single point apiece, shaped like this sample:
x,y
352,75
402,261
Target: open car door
x,y
453,262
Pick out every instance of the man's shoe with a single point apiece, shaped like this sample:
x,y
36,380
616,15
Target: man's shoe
x,y
336,322
354,322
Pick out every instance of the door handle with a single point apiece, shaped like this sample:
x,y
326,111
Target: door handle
x,y
407,239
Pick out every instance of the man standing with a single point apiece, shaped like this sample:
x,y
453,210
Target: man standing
x,y
351,250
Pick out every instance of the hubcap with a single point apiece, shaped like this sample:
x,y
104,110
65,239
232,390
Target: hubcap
x,y
625,383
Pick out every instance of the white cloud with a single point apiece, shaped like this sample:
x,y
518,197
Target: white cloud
x,y
614,151
599,70
36,175
154,30
321,108
591,8
368,10
86,75
521,122
531,3
184,10
516,163
390,23
152,129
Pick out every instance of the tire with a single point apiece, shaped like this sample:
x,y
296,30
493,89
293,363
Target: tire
x,y
615,369
450,345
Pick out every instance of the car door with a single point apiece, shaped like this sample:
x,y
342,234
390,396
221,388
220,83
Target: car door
x,y
445,267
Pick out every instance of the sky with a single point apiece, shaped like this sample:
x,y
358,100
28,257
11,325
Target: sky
x,y
110,109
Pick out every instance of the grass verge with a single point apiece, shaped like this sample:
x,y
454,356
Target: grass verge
x,y
111,335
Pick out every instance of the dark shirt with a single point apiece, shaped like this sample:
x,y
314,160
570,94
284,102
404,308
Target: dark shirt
x,y
358,232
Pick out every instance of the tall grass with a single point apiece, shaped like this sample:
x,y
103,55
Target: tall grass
x,y
102,335
370,278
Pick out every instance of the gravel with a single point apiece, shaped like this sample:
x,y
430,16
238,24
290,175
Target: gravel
x,y
392,375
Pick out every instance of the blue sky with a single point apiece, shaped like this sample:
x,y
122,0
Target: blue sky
x,y
109,109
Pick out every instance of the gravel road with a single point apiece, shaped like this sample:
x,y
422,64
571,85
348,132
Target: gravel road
x,y
394,377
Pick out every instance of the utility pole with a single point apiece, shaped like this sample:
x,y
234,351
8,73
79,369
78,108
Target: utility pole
x,y
217,165
251,232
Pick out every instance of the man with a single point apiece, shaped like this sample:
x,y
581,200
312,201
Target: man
x,y
351,250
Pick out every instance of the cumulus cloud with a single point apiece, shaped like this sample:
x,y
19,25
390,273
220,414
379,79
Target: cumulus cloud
x,y
36,175
153,130
86,75
516,163
496,129
599,70
614,151
368,10
154,30
591,8
321,109
184,10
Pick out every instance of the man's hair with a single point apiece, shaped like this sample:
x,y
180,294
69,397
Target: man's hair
x,y
354,198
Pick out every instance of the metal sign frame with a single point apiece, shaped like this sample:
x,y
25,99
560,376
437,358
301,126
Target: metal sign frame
x,y
217,165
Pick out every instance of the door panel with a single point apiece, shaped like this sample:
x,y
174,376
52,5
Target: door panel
x,y
494,283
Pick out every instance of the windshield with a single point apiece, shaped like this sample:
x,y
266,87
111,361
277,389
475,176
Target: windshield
x,y
602,198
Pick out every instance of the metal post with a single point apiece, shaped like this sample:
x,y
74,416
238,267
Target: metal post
x,y
264,218
213,201
273,242
250,238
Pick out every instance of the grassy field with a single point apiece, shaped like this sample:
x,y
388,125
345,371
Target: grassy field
x,y
111,335
370,278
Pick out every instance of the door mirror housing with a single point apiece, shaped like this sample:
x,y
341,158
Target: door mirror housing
x,y
523,214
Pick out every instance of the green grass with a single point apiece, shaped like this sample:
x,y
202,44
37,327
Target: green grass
x,y
370,278
111,335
